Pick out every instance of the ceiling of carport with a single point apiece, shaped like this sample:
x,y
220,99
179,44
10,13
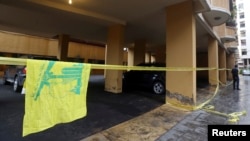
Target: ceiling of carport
x,y
88,20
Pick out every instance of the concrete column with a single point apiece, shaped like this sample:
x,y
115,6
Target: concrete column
x,y
153,58
181,52
222,65
105,60
114,56
130,57
63,44
213,76
230,65
139,51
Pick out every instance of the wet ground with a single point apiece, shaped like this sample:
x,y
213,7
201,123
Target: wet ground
x,y
168,123
134,116
227,102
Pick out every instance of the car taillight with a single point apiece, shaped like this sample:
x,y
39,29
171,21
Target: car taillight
x,y
24,70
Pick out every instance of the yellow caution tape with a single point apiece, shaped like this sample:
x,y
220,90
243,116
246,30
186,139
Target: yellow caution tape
x,y
21,61
234,117
12,61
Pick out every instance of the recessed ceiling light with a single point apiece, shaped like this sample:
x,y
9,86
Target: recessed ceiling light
x,y
70,1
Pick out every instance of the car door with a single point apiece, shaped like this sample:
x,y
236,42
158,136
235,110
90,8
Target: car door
x,y
9,73
132,77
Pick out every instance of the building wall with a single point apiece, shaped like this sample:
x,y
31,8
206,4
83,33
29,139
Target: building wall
x,y
23,44
12,44
243,6
86,52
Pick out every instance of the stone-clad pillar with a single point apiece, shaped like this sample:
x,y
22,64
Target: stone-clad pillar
x,y
213,76
230,65
114,56
130,57
181,52
222,65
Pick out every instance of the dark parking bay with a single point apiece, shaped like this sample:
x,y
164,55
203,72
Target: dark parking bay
x,y
104,110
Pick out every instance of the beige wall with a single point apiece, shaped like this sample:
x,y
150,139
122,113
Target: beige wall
x,y
12,43
86,51
24,44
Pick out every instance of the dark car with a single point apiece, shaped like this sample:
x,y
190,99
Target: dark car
x,y
153,80
15,75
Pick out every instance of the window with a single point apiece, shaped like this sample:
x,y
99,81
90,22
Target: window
x,y
245,62
242,24
242,33
242,15
241,6
243,42
244,52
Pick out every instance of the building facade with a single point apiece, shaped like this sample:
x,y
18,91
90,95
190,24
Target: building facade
x,y
243,25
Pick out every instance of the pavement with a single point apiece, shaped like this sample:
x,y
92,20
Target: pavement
x,y
170,123
133,116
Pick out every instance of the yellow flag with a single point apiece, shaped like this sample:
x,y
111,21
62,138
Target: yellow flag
x,y
55,93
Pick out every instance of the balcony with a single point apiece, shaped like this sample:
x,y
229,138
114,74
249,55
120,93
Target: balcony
x,y
229,36
219,12
216,16
232,46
